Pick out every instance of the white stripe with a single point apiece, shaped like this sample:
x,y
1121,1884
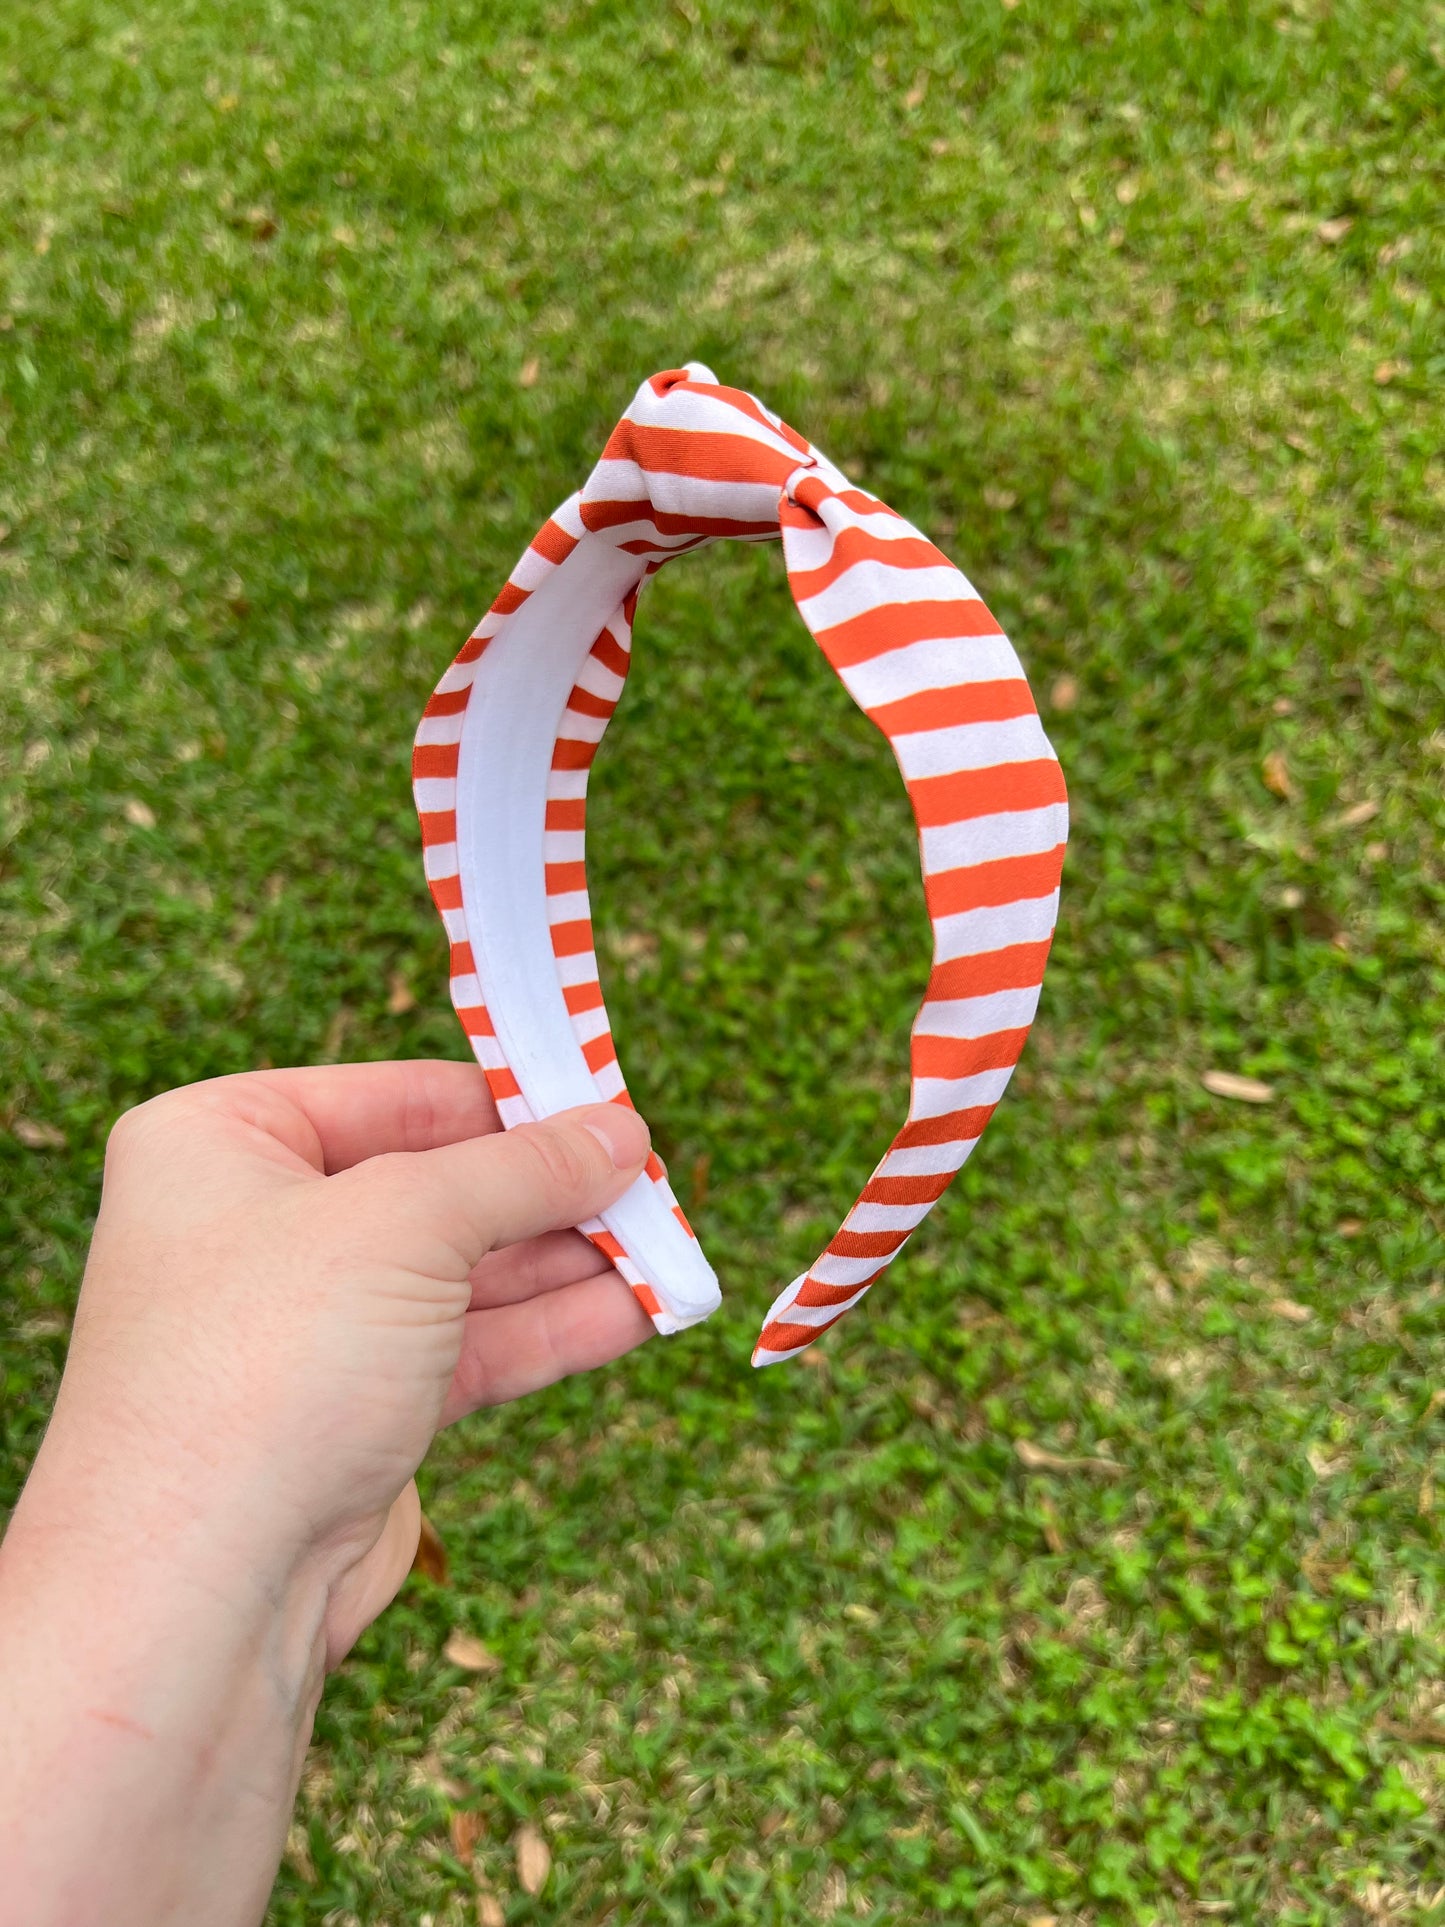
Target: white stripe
x,y
610,1080
985,839
937,1096
812,548
874,584
978,1016
436,792
940,752
971,932
568,907
466,991
938,663
832,1270
460,675
569,517
704,415
566,785
489,1054
439,860
581,969
600,681
558,846
454,922
698,498
512,1111
925,1160
886,1217
577,728
587,1024
440,729
785,1308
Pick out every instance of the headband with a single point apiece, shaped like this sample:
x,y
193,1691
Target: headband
x,y
500,774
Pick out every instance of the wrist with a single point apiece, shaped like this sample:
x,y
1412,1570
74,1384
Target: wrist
x,y
168,1687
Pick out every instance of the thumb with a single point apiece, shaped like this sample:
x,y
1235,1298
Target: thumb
x,y
485,1192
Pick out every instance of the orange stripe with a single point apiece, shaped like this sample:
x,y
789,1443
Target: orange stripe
x,y
571,754
580,997
607,1244
511,598
613,515
783,1337
1007,879
462,964
702,453
476,1021
438,826
1016,967
969,702
987,792
966,1056
609,652
865,1244
813,1293
851,546
677,1213
434,759
448,702
647,1298
553,542
917,1190
813,490
566,813
563,878
446,892
572,939
472,648
583,703
894,624
655,1168
502,1084
952,1126
598,1051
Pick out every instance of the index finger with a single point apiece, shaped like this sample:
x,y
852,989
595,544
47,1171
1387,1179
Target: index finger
x,y
360,1111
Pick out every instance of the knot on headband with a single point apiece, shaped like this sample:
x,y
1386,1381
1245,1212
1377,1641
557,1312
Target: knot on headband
x,y
500,774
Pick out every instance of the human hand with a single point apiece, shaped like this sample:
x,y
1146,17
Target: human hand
x,y
296,1277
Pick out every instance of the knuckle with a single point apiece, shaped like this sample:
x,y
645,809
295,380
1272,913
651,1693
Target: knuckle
x,y
559,1162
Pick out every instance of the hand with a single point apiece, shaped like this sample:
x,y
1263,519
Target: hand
x,y
296,1278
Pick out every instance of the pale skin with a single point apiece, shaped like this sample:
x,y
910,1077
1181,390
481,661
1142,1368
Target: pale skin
x,y
297,1277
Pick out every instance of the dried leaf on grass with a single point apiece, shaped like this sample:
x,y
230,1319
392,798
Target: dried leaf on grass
x,y
141,814
468,1652
1246,1090
534,1859
1335,230
1038,1460
464,1829
1064,695
1288,1309
401,997
36,1136
431,1555
1355,815
489,1911
530,370
1275,771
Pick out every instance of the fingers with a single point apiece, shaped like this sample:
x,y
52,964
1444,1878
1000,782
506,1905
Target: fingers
x,y
323,1118
511,1350
523,1270
362,1110
497,1190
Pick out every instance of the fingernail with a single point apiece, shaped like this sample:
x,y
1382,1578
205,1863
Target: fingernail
x,y
621,1133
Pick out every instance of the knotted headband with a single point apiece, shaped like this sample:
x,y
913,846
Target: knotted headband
x,y
500,773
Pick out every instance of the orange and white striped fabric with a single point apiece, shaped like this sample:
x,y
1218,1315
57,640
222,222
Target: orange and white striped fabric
x,y
500,774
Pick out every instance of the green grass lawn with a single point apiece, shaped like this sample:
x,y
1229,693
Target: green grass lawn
x,y
310,312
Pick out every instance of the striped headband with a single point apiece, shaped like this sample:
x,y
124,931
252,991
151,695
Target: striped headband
x,y
500,773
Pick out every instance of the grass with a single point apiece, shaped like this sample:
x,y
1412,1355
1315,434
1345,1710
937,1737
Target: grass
x,y
309,314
